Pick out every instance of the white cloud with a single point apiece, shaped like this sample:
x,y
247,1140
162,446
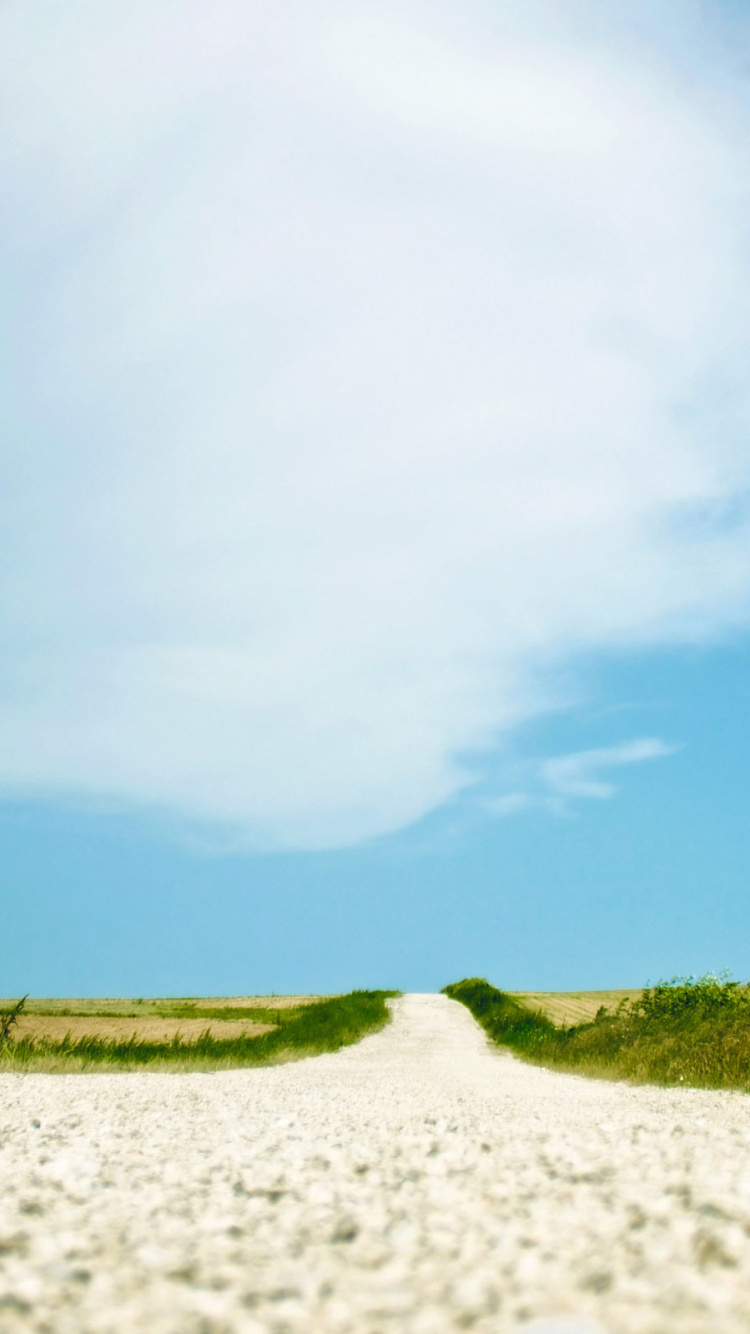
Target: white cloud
x,y
556,782
577,775
368,368
510,803
523,99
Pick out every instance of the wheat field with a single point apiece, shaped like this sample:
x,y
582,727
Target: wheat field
x,y
574,1007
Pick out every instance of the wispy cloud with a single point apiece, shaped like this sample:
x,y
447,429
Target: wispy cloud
x,y
554,784
367,368
510,803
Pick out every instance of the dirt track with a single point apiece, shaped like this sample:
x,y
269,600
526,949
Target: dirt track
x,y
414,1184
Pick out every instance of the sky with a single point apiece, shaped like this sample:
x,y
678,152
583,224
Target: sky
x,y
375,573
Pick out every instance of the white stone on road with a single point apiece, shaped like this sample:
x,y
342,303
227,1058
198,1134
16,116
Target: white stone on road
x,y
417,1183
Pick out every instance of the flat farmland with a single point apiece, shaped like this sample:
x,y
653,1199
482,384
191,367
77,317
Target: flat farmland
x,y
567,1008
153,1019
145,1028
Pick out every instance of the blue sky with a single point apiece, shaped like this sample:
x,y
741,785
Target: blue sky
x,y
376,567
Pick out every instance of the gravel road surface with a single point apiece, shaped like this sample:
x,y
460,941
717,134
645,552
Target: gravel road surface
x,y
417,1183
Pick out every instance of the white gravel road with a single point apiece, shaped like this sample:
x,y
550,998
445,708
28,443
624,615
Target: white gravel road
x,y
417,1183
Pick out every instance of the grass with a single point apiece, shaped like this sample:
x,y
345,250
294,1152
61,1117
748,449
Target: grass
x,y
688,1031
304,1030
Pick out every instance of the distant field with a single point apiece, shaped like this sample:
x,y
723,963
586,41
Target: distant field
x,y
574,1007
147,1028
155,1004
152,1019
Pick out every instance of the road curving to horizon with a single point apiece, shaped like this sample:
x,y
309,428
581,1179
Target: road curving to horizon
x,y
417,1183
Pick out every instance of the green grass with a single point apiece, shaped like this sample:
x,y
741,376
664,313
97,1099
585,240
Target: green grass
x,y
689,1031
322,1026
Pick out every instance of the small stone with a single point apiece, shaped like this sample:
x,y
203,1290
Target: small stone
x,y
600,1281
346,1230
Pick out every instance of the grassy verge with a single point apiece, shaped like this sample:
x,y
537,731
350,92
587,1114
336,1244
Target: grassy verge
x,y
306,1030
687,1031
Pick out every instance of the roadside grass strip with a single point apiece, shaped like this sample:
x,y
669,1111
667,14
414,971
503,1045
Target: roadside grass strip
x,y
686,1031
305,1030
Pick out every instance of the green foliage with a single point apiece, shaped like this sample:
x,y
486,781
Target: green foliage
x,y
692,1031
685,999
321,1026
8,1018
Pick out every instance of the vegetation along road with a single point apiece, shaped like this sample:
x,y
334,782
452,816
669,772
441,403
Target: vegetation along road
x,y
419,1181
